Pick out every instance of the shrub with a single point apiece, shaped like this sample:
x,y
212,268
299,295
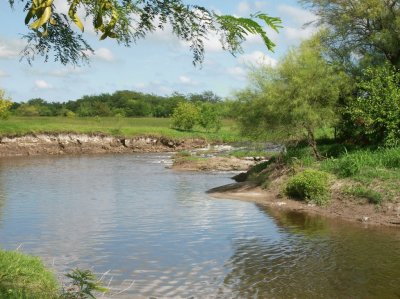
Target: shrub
x,y
309,185
185,116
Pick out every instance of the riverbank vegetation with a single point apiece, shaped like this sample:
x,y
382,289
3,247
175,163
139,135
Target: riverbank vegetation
x,y
24,276
116,126
345,78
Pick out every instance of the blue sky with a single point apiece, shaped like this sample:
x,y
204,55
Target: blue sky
x,y
159,64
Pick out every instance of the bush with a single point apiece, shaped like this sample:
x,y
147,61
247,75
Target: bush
x,y
185,116
309,185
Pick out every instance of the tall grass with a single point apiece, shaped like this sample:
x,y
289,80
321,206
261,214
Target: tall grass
x,y
354,163
23,276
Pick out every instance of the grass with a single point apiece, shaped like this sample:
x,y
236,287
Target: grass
x,y
128,127
366,173
372,196
23,276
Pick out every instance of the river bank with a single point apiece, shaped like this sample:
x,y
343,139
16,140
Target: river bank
x,y
73,143
340,208
196,155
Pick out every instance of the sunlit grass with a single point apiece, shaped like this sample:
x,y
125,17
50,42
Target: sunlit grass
x,y
23,276
113,126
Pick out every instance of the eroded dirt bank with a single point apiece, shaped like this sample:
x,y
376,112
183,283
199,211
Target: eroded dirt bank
x,y
58,144
347,209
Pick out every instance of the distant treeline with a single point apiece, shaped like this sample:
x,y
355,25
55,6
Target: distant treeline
x,y
121,103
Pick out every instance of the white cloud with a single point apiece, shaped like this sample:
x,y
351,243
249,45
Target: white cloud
x,y
185,80
104,54
11,48
243,8
101,54
297,15
41,84
65,72
156,87
260,4
212,44
3,74
293,33
256,58
237,71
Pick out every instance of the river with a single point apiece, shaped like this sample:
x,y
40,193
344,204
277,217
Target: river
x,y
156,230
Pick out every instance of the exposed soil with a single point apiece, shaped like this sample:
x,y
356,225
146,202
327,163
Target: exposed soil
x,y
58,144
212,164
349,209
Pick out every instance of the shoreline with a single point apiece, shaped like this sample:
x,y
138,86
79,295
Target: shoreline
x,y
75,143
348,210
54,144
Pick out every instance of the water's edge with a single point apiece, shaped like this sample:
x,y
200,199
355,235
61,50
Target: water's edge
x,y
73,143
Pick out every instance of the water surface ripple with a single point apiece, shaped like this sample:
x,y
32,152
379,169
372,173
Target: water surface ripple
x,y
156,227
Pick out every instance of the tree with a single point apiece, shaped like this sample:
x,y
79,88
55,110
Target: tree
x,y
297,97
130,20
209,117
185,116
374,116
365,32
5,104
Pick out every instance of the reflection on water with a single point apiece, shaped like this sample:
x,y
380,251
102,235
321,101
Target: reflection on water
x,y
130,215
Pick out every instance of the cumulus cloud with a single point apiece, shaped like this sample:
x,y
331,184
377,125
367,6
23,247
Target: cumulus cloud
x,y
297,15
237,71
3,74
103,54
298,18
66,72
243,8
41,84
257,58
293,33
156,87
10,48
185,80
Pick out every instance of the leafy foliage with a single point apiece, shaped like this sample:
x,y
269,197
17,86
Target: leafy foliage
x,y
128,21
361,32
185,116
5,104
209,117
295,98
374,116
84,284
309,185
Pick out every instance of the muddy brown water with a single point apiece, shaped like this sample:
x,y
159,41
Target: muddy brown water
x,y
141,222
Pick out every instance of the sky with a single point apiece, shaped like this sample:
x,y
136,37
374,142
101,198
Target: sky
x,y
160,64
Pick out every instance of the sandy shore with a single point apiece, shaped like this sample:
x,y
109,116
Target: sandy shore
x,y
345,209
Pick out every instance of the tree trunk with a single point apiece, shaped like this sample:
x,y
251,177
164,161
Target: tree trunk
x,y
313,144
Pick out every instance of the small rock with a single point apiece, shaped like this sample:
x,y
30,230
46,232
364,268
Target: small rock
x,y
311,204
364,219
280,203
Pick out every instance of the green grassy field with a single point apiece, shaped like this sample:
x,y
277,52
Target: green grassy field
x,y
113,126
